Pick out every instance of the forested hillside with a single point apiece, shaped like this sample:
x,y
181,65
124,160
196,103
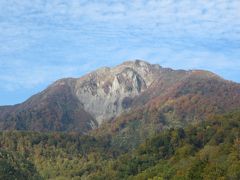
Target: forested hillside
x,y
207,150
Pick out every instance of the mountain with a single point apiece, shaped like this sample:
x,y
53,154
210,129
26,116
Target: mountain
x,y
132,91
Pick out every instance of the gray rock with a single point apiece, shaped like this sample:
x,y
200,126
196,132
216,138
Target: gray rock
x,y
107,92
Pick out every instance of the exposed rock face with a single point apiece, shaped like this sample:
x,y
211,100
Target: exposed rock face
x,y
108,92
82,104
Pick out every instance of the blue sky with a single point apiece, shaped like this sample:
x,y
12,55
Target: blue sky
x,y
42,41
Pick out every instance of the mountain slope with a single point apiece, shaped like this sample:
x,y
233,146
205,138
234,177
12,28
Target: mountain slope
x,y
191,100
154,94
56,108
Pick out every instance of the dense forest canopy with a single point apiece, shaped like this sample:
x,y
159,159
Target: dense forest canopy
x,y
207,150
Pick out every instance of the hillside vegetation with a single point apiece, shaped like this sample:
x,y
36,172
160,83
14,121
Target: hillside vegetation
x,y
207,150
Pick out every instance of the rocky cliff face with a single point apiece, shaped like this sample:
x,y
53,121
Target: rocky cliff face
x,y
108,92
82,104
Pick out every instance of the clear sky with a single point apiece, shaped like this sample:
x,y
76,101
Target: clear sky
x,y
44,40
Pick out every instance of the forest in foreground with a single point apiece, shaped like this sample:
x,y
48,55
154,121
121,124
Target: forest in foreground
x,y
206,150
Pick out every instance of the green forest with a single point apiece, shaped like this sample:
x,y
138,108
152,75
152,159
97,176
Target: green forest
x,y
209,149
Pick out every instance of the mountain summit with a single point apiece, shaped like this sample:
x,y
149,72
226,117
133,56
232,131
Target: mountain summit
x,y
82,104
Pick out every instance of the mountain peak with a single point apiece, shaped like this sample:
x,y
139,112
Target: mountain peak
x,y
135,62
114,88
84,103
139,63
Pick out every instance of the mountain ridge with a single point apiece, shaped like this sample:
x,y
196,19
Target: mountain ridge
x,y
82,104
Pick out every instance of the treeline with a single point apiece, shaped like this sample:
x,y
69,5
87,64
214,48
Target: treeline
x,y
207,150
